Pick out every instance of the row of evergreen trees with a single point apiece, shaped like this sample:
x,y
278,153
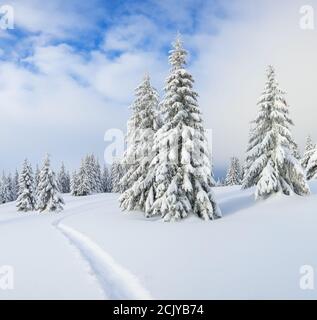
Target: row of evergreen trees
x,y
90,179
9,187
40,194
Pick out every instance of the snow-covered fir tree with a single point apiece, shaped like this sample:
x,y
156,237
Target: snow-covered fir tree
x,y
220,182
6,192
234,174
74,184
36,177
94,170
84,178
88,180
26,197
1,193
141,128
296,153
98,174
48,196
89,170
311,168
248,160
106,180
116,174
182,168
2,189
63,180
309,151
10,191
15,185
273,166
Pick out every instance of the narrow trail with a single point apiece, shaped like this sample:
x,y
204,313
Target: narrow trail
x,y
45,266
55,261
115,281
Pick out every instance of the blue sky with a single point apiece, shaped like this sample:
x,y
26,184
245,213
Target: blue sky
x,y
69,68
83,25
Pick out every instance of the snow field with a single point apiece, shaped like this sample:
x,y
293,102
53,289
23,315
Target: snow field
x,y
94,251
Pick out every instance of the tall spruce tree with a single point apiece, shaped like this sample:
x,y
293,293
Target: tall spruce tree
x,y
234,174
48,196
182,166
26,198
273,166
141,128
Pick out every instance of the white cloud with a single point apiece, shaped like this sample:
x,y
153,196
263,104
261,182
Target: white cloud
x,y
55,18
230,71
117,79
66,106
130,33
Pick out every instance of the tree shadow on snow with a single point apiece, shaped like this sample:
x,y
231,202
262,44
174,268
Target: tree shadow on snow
x,y
232,205
313,187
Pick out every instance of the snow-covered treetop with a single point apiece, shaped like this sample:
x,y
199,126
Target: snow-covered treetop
x,y
310,145
273,121
47,161
146,103
178,54
48,197
272,92
309,159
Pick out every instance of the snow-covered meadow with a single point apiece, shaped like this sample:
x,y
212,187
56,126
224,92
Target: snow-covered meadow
x,y
92,250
